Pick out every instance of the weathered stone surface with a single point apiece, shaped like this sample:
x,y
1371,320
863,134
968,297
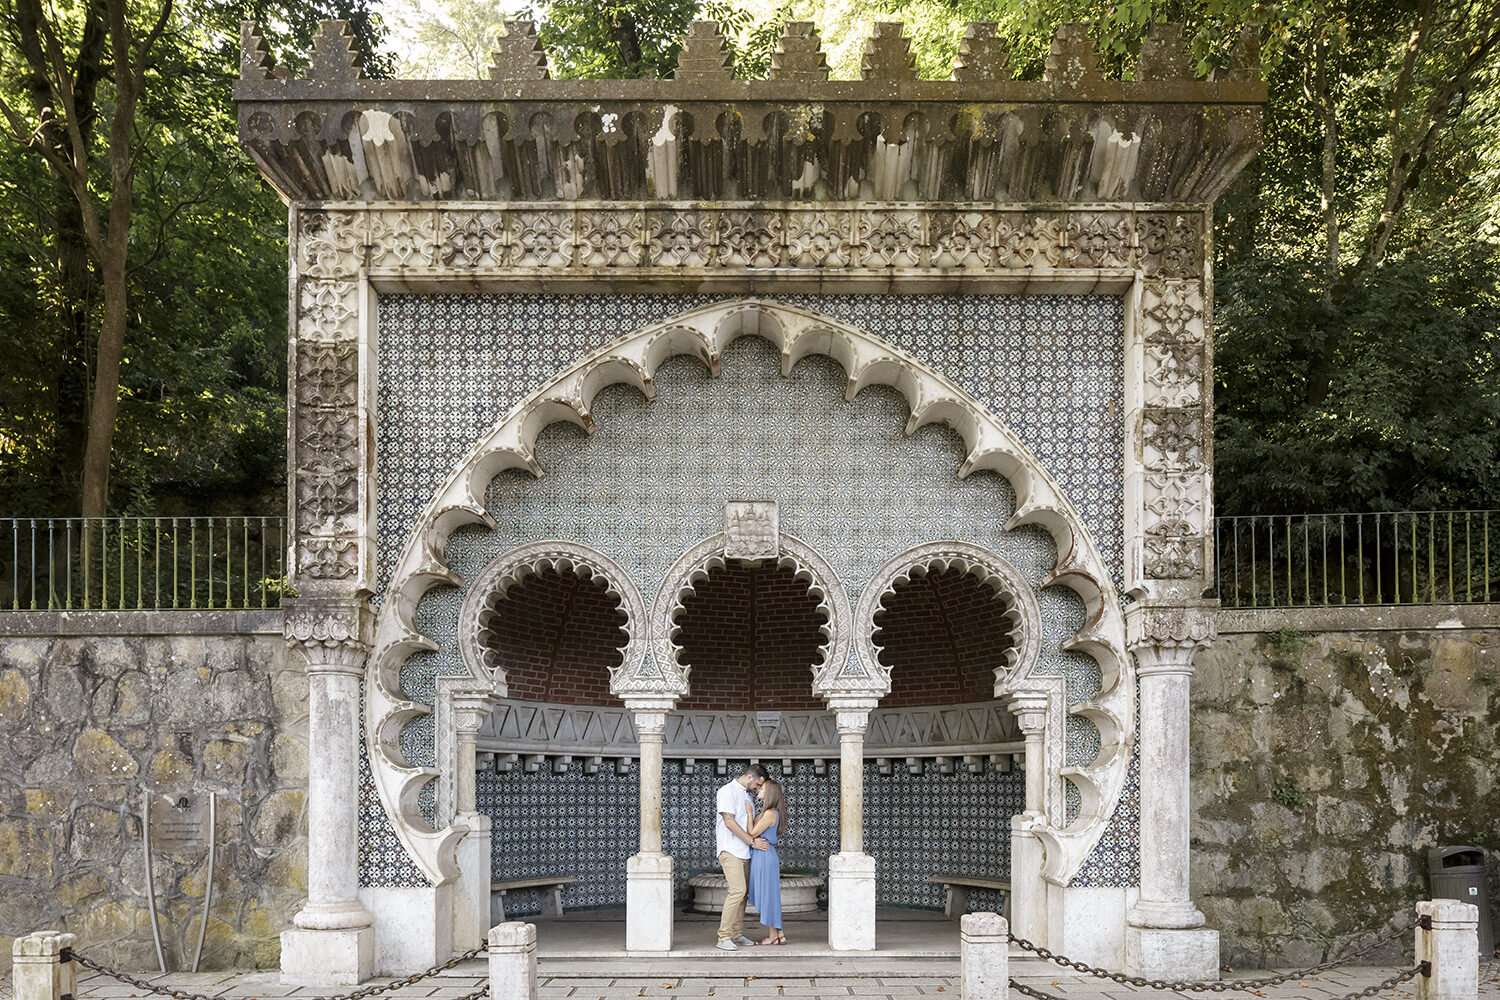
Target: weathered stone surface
x,y
15,695
1324,767
86,720
100,755
277,820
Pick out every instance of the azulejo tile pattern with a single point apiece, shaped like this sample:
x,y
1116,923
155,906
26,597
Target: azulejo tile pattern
x,y
916,826
653,479
1050,366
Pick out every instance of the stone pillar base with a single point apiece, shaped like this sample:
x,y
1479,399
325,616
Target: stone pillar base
x,y
648,903
471,901
851,902
327,958
1157,953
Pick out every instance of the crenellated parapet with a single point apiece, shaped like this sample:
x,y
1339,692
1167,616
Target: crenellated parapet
x,y
1072,136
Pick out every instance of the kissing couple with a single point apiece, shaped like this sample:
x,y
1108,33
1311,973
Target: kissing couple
x,y
746,841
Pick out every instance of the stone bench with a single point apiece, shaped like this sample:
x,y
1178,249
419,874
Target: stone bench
x,y
549,887
958,892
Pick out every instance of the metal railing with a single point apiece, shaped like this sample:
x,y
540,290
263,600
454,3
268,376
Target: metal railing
x,y
141,563
1321,560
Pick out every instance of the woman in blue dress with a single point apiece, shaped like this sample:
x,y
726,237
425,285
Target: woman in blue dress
x,y
765,866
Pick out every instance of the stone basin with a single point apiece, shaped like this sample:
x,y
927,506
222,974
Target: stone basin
x,y
799,892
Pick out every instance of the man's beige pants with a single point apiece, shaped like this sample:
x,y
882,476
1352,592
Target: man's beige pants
x,y
737,874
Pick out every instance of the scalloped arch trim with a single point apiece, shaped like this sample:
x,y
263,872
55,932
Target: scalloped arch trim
x,y
704,333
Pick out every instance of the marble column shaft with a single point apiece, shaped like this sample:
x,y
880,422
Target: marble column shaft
x,y
333,674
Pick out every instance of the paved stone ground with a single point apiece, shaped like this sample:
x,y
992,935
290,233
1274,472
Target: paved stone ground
x,y
247,985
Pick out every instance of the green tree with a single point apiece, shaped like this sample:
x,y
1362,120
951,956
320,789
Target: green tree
x,y
165,331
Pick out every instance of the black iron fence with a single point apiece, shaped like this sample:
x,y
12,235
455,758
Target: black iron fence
x,y
1263,561
141,563
1393,557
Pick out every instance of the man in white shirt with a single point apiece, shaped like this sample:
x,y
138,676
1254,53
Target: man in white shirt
x,y
732,837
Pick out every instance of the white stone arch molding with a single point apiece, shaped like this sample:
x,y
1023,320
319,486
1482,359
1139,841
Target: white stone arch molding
x,y
705,332
1111,710
694,566
1022,615
510,569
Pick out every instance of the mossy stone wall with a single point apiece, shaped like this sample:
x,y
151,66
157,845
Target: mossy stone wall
x,y
1330,750
109,703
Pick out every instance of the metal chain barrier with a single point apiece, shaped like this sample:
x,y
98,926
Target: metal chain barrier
x,y
1423,968
1223,985
72,955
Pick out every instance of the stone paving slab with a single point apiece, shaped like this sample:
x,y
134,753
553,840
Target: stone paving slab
x,y
767,982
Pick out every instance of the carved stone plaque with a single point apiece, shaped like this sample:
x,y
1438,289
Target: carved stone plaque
x,y
752,530
179,822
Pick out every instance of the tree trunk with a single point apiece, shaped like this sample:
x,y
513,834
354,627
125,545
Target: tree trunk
x,y
107,357
1326,343
627,42
74,269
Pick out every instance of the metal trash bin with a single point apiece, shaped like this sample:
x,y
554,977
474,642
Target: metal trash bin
x,y
1458,872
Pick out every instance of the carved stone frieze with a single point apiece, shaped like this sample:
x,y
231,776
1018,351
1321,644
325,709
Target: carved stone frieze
x,y
1171,457
672,238
581,730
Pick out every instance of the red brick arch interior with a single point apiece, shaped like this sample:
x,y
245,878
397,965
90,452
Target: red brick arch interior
x,y
751,635
557,636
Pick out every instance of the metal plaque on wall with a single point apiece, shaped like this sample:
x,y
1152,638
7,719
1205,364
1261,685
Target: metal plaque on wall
x,y
179,821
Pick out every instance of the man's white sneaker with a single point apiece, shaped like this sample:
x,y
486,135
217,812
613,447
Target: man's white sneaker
x,y
744,942
727,946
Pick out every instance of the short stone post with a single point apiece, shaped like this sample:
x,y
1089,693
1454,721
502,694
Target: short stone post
x,y
37,969
984,960
1451,945
512,954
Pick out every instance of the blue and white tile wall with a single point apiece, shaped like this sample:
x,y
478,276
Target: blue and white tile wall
x,y
916,827
848,482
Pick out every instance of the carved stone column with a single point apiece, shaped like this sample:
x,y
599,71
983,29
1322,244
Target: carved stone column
x,y
1164,936
851,872
332,943
471,902
1028,905
648,873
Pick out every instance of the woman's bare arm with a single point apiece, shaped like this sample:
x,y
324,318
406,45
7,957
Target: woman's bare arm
x,y
763,822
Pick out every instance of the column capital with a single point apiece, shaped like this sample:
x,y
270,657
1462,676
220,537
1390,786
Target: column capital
x,y
852,721
334,635
649,722
1166,637
470,709
1030,710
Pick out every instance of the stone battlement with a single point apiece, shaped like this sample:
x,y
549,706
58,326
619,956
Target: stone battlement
x,y
1165,137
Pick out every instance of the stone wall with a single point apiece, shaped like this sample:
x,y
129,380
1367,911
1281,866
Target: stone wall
x,y
96,707
1331,749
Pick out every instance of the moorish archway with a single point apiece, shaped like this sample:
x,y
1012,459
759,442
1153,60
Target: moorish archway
x,y
851,679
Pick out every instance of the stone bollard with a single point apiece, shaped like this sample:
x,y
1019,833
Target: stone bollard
x,y
512,954
37,969
1452,946
985,956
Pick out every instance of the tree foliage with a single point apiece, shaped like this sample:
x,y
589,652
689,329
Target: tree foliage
x,y
198,322
1356,262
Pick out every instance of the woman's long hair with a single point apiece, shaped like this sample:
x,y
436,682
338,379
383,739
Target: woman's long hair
x,y
772,797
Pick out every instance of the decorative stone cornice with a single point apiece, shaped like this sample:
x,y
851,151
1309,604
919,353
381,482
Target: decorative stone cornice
x,y
1071,136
